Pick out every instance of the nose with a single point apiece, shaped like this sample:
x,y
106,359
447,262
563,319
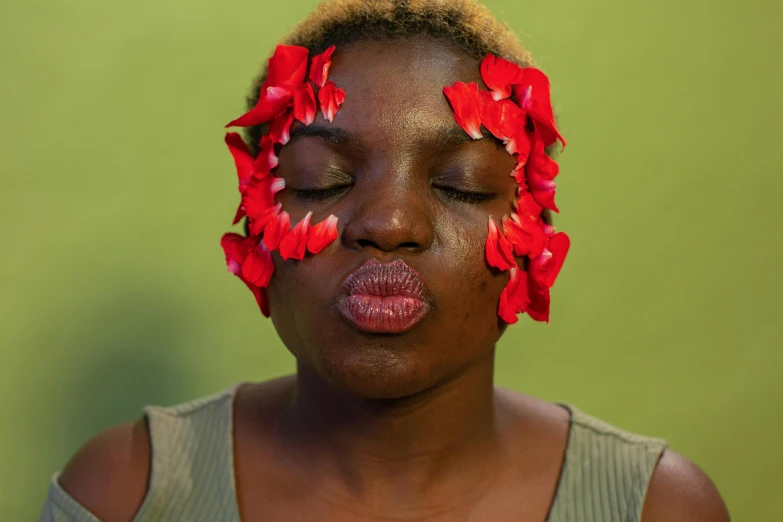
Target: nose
x,y
390,218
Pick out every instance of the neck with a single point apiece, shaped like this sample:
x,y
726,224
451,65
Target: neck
x,y
406,444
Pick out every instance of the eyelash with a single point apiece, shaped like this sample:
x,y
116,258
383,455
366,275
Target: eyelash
x,y
319,194
465,197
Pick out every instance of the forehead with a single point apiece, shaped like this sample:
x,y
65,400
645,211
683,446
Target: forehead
x,y
396,87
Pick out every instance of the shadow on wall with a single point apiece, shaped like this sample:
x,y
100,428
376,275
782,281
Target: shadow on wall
x,y
122,354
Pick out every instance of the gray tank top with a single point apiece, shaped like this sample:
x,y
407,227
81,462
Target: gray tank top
x,y
604,478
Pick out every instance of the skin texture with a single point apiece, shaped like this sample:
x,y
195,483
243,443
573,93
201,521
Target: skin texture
x,y
390,427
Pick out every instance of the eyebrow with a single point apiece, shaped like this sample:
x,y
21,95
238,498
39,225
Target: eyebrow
x,y
443,136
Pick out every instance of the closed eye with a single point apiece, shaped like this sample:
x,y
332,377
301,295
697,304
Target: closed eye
x,y
316,194
464,195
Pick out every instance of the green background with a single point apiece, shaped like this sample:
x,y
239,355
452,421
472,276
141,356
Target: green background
x,y
116,187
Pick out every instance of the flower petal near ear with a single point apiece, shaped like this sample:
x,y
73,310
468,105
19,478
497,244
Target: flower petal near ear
x,y
266,159
288,66
498,249
280,128
331,97
276,230
259,222
541,170
257,267
294,244
319,69
468,108
514,299
242,158
502,118
271,103
304,104
538,309
558,247
500,75
322,234
260,196
526,236
237,249
533,95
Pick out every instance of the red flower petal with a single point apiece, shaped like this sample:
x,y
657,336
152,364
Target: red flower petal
x,y
240,213
266,159
319,69
322,234
541,170
538,309
519,145
558,248
528,207
502,118
271,103
276,230
259,222
498,249
294,244
331,97
237,249
257,267
242,157
467,106
500,75
304,104
288,66
260,195
514,299
280,129
533,96
527,237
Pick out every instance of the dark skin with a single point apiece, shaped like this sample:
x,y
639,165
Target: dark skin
x,y
390,427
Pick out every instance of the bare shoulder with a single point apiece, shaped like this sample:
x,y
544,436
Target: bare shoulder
x,y
109,475
681,492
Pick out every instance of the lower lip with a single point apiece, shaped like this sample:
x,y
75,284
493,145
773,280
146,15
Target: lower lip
x,y
376,314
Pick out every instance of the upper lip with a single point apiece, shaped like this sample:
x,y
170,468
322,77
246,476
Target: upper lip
x,y
394,278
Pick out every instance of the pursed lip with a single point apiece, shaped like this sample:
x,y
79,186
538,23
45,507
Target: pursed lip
x,y
385,297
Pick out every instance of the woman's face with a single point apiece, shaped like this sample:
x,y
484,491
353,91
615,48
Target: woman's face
x,y
407,185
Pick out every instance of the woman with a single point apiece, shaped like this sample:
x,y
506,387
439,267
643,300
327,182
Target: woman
x,y
391,248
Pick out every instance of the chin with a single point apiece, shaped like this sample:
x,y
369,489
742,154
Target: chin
x,y
375,372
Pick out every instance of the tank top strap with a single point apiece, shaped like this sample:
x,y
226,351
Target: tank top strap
x,y
606,472
192,474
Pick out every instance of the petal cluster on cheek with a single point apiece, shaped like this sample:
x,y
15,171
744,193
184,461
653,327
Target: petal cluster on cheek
x,y
330,97
467,105
285,96
517,110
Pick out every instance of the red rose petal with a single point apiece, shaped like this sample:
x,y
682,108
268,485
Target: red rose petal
x,y
533,95
319,69
276,230
498,249
271,103
243,160
266,159
294,244
304,104
257,267
502,118
288,66
500,75
468,108
280,129
331,97
259,222
322,234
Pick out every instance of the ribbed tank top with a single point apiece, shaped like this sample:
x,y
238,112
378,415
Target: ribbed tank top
x,y
604,477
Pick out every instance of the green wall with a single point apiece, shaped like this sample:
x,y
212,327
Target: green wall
x,y
116,187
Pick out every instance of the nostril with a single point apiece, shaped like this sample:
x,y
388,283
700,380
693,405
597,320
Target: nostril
x,y
410,245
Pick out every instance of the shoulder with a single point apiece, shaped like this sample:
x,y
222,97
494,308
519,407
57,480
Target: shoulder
x,y
109,475
681,492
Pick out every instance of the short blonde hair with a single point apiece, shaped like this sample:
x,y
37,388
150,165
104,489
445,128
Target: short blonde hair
x,y
465,23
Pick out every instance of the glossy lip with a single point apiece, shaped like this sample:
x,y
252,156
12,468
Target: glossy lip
x,y
384,297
